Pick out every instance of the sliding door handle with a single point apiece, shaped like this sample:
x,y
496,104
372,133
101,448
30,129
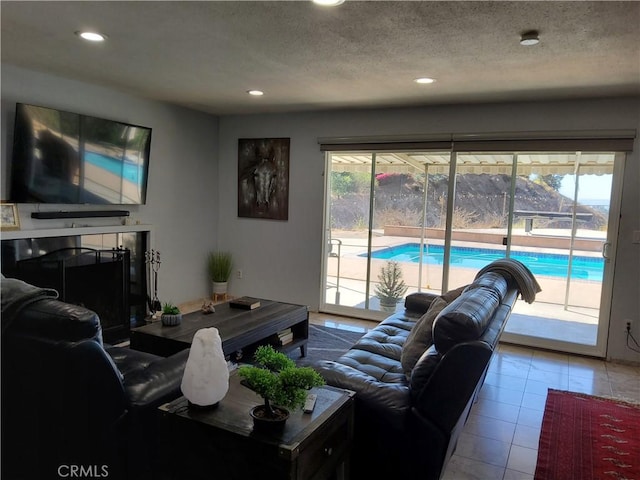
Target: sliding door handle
x,y
605,250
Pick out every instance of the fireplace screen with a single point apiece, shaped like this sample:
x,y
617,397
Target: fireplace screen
x,y
97,279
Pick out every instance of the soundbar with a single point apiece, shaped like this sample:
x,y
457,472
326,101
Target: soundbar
x,y
80,214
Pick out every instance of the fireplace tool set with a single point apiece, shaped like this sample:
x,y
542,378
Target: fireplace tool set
x,y
152,260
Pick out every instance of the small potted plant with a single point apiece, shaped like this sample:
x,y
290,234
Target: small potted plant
x,y
171,315
391,287
278,381
220,265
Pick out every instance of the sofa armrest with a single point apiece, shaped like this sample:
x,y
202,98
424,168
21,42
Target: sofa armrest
x,y
457,377
419,302
157,382
392,400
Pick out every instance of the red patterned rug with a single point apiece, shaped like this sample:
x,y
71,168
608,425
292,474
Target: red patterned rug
x,y
588,438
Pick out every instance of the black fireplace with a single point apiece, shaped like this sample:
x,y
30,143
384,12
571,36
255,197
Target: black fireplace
x,y
97,279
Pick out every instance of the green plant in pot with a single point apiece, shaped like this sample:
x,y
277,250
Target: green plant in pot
x,y
391,287
280,383
171,315
220,265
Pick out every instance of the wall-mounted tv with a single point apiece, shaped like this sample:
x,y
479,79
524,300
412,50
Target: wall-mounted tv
x,y
68,158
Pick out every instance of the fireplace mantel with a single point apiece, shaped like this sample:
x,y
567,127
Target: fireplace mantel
x,y
69,232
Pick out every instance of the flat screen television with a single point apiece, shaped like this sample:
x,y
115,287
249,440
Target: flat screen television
x,y
68,158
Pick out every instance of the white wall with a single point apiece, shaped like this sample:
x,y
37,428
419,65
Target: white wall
x,y
182,200
282,260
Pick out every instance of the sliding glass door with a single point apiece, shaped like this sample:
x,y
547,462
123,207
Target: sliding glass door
x,y
435,218
569,243
376,205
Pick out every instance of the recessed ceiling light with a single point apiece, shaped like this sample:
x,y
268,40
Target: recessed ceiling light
x,y
328,3
529,38
424,80
92,36
255,93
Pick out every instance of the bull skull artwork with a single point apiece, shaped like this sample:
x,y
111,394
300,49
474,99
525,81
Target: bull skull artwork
x,y
263,178
264,181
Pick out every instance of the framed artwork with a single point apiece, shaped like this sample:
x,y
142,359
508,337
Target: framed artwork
x,y
10,219
263,178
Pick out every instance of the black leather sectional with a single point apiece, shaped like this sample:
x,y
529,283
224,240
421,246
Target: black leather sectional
x,y
410,411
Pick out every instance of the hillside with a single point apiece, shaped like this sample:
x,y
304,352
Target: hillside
x,y
481,202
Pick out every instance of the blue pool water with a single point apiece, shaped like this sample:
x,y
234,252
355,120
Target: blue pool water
x,y
129,171
549,264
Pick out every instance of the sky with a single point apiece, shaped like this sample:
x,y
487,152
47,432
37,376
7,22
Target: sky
x,y
592,187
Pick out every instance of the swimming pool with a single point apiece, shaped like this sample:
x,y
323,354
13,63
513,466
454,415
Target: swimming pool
x,y
549,264
127,170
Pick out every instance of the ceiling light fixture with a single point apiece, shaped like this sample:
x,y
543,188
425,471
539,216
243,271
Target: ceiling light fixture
x,y
328,3
529,38
255,93
92,36
424,80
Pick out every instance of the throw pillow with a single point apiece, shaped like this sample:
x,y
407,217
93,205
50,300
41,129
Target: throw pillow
x,y
420,338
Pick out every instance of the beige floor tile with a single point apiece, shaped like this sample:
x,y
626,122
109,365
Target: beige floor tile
x,y
544,356
490,428
502,395
592,386
505,381
614,369
515,351
522,459
629,389
540,387
487,450
534,401
497,410
552,379
513,367
530,417
546,365
460,468
525,436
513,475
579,366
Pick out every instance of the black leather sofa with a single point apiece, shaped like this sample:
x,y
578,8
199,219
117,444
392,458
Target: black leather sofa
x,y
414,391
71,405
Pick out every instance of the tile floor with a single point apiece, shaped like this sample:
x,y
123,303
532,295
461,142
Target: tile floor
x,y
500,439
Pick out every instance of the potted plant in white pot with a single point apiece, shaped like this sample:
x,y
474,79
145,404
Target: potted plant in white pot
x,y
220,265
391,287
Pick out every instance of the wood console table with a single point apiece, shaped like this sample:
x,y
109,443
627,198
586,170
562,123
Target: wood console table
x,y
238,328
220,443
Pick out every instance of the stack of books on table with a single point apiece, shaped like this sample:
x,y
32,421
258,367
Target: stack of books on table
x,y
285,336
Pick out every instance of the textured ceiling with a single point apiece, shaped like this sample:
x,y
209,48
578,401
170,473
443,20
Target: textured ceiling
x,y
206,55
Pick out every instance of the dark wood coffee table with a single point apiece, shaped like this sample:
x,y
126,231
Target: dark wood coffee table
x,y
238,329
221,443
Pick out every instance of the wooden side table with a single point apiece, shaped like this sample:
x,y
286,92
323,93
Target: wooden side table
x,y
220,443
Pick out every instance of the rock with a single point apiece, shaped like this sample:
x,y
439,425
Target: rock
x,y
206,377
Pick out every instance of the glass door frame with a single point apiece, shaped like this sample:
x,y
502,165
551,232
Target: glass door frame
x,y
336,308
610,250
